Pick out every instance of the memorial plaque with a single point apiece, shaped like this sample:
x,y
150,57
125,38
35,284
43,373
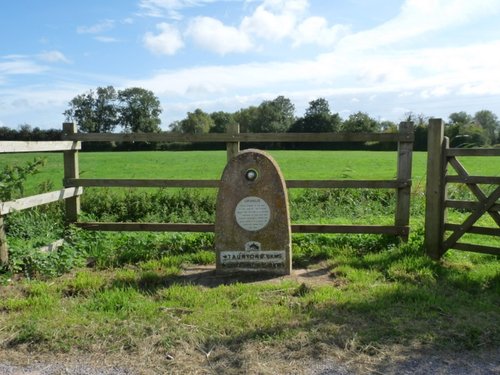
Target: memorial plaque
x,y
252,223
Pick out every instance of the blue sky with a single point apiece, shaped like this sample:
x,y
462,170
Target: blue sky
x,y
384,57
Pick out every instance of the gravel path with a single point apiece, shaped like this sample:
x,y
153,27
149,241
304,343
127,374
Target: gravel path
x,y
60,369
412,366
448,364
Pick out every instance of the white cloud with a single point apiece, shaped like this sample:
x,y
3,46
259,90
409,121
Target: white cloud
x,y
315,30
33,103
19,65
53,56
220,79
97,28
211,34
167,42
274,19
271,20
418,17
268,25
450,70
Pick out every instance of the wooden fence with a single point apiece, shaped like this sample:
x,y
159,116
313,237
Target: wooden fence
x,y
69,194
73,184
440,156
232,138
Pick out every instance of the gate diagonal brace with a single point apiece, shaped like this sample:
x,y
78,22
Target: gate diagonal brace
x,y
473,217
476,190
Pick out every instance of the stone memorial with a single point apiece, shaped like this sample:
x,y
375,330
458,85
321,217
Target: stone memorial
x,y
252,222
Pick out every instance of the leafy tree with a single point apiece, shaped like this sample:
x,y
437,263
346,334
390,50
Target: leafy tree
x,y
463,131
360,122
468,135
460,118
318,106
489,122
94,111
388,126
221,121
451,131
197,122
7,134
25,132
139,110
418,119
273,116
246,117
175,127
318,118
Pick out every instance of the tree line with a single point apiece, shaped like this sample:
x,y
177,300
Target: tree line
x,y
135,110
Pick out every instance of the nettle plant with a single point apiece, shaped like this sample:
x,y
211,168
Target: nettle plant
x,y
13,177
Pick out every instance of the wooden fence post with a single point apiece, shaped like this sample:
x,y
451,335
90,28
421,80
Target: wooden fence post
x,y
71,170
405,155
435,189
233,148
4,250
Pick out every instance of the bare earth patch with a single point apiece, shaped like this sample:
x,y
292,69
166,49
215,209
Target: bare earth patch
x,y
206,276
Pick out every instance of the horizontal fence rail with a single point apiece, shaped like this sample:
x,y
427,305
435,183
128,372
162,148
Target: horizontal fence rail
x,y
38,200
473,152
476,248
148,183
207,227
468,205
472,180
473,229
241,137
35,146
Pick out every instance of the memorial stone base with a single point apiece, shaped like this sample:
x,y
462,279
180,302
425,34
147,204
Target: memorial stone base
x,y
252,225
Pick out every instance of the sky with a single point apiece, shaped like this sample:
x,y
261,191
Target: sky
x,y
383,57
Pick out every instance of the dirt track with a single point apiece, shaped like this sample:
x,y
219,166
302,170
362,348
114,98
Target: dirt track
x,y
418,363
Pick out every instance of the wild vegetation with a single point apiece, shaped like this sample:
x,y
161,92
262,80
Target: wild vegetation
x,y
137,299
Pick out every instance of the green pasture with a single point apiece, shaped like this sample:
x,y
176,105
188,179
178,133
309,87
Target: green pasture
x,y
320,165
130,298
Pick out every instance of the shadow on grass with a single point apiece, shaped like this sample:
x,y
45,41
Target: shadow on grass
x,y
429,327
395,297
413,301
205,276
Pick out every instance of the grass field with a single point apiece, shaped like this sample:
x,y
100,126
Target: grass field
x,y
209,165
150,301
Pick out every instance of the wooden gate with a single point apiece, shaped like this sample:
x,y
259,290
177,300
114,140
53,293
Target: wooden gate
x,y
440,236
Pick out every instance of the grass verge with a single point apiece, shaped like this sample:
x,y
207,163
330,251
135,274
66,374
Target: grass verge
x,y
360,294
